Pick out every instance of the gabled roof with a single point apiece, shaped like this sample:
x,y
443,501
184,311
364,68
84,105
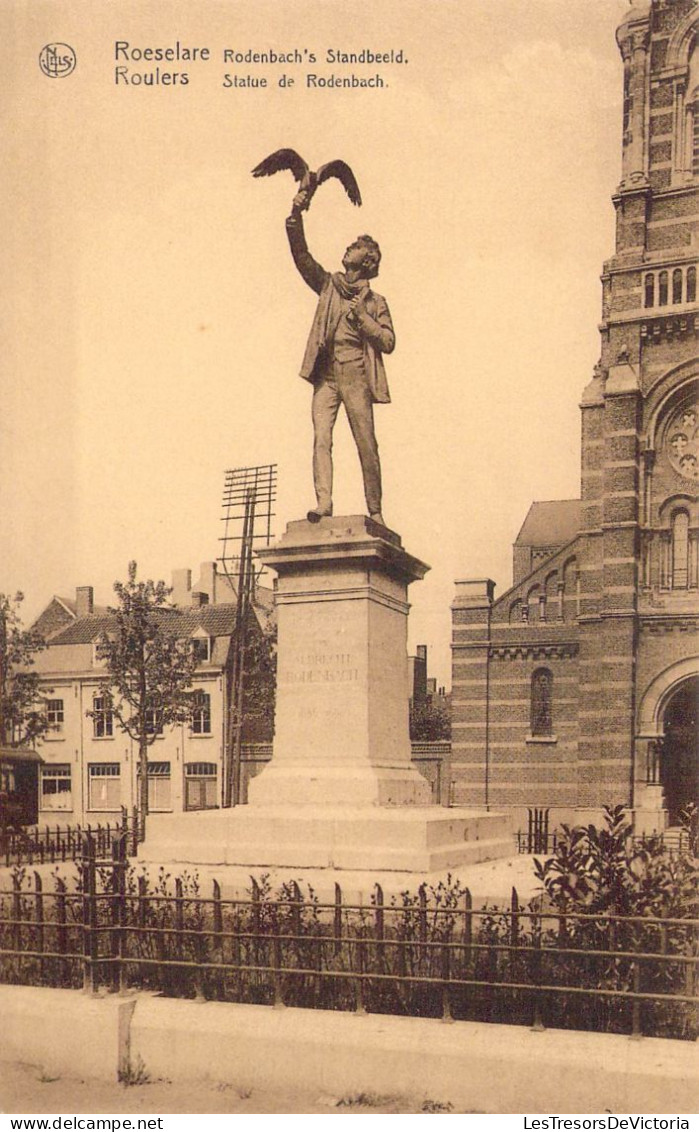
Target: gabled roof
x,y
550,523
83,630
215,620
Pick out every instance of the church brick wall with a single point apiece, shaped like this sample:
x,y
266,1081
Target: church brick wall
x,y
631,612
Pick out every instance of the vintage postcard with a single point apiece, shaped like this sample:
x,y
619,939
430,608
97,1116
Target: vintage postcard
x,y
356,249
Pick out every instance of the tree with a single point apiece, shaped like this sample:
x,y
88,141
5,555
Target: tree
x,y
429,722
149,669
22,712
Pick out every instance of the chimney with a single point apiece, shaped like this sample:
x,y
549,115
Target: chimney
x,y
181,587
207,580
84,601
199,599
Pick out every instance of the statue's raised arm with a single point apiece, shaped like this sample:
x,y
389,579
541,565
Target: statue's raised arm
x,y
351,331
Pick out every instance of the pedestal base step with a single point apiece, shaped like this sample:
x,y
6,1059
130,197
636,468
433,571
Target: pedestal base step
x,y
420,840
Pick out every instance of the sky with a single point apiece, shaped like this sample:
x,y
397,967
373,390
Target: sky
x,y
155,323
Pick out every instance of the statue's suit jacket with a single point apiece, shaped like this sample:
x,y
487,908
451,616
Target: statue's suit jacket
x,y
375,325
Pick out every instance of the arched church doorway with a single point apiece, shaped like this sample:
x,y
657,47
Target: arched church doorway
x,y
679,768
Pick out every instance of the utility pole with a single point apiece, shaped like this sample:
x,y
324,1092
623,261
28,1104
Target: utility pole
x,y
3,669
249,494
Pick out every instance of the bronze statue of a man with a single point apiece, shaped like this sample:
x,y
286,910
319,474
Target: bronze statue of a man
x,y
351,331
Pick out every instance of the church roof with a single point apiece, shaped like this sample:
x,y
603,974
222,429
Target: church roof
x,y
552,522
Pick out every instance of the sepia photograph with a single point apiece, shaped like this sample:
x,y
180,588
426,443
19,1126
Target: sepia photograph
x,y
349,569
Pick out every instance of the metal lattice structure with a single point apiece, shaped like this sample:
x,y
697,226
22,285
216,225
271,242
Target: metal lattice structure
x,y
248,499
249,495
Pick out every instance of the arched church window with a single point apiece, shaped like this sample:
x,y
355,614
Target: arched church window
x,y
680,550
677,285
682,441
662,289
695,135
649,290
541,719
533,604
691,284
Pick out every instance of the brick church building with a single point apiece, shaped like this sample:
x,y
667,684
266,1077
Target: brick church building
x,y
578,686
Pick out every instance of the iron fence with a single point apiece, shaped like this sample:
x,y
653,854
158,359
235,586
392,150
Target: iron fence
x,y
427,954
539,838
66,843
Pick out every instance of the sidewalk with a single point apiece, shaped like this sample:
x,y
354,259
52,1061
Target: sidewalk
x,y
27,1089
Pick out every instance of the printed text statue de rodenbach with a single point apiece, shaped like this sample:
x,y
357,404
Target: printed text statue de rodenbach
x,y
351,331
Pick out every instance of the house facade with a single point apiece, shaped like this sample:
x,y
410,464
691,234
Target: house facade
x,y
90,766
578,686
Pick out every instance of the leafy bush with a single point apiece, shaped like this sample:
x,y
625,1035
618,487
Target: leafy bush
x,y
604,870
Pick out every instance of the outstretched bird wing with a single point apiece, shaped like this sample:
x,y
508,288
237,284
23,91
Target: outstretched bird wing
x,y
342,171
283,159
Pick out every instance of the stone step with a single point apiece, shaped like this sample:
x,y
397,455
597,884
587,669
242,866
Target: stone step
x,y
420,839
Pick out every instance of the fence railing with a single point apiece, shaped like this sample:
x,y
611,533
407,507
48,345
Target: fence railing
x,y
538,838
429,954
66,843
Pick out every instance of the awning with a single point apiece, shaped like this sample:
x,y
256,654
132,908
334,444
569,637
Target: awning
x,y
19,755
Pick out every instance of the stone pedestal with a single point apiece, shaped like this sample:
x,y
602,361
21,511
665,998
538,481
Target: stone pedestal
x,y
341,732
341,792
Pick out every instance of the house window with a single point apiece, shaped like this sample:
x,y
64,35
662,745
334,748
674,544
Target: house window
x,y
541,702
691,284
54,714
680,550
154,722
56,792
200,786
104,786
662,289
201,647
649,291
677,285
201,717
102,718
159,787
99,655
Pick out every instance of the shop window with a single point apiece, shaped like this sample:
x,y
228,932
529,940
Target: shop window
x,y
159,787
104,786
56,788
200,786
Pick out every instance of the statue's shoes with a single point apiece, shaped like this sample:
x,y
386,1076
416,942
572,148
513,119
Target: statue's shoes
x,y
316,514
377,517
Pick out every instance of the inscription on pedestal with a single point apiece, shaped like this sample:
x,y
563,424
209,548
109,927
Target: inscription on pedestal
x,y
319,668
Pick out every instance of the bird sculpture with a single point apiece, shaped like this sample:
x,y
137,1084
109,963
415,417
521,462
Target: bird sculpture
x,y
307,179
